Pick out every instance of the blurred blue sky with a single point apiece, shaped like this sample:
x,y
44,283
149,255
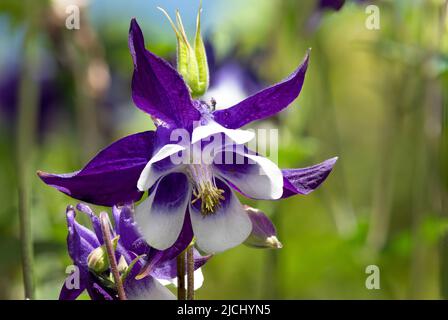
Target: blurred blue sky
x,y
106,12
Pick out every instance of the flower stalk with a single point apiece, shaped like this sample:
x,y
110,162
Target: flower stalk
x,y
190,273
105,228
181,291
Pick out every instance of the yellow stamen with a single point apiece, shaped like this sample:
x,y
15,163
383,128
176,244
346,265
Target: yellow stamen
x,y
206,190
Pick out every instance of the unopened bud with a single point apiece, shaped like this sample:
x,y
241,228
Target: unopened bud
x,y
264,234
97,260
191,60
122,265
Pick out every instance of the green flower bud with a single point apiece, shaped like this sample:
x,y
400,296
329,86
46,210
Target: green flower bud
x,y
97,260
191,60
122,265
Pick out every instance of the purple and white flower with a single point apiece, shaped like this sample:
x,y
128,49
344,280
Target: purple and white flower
x,y
199,195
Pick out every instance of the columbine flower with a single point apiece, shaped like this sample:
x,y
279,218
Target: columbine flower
x,y
198,195
86,248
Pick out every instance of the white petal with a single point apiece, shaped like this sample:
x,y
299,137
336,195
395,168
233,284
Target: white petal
x,y
148,289
161,216
149,176
198,280
166,282
228,227
259,179
238,136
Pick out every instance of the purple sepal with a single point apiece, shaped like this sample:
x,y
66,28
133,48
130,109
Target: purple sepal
x,y
111,177
157,88
264,103
306,180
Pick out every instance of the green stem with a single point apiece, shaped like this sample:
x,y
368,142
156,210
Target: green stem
x,y
190,273
26,125
443,158
26,241
444,194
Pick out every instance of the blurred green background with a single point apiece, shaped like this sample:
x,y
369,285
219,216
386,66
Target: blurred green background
x,y
375,98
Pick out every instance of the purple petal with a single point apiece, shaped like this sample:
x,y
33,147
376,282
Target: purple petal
x,y
306,180
116,212
96,224
71,294
157,88
130,238
80,240
111,177
96,292
264,103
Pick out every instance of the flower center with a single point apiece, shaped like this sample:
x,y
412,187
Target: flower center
x,y
205,189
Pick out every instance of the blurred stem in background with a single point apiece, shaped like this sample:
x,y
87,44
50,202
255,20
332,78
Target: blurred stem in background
x,y
26,128
444,185
80,52
384,192
418,204
443,155
420,117
340,204
92,78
